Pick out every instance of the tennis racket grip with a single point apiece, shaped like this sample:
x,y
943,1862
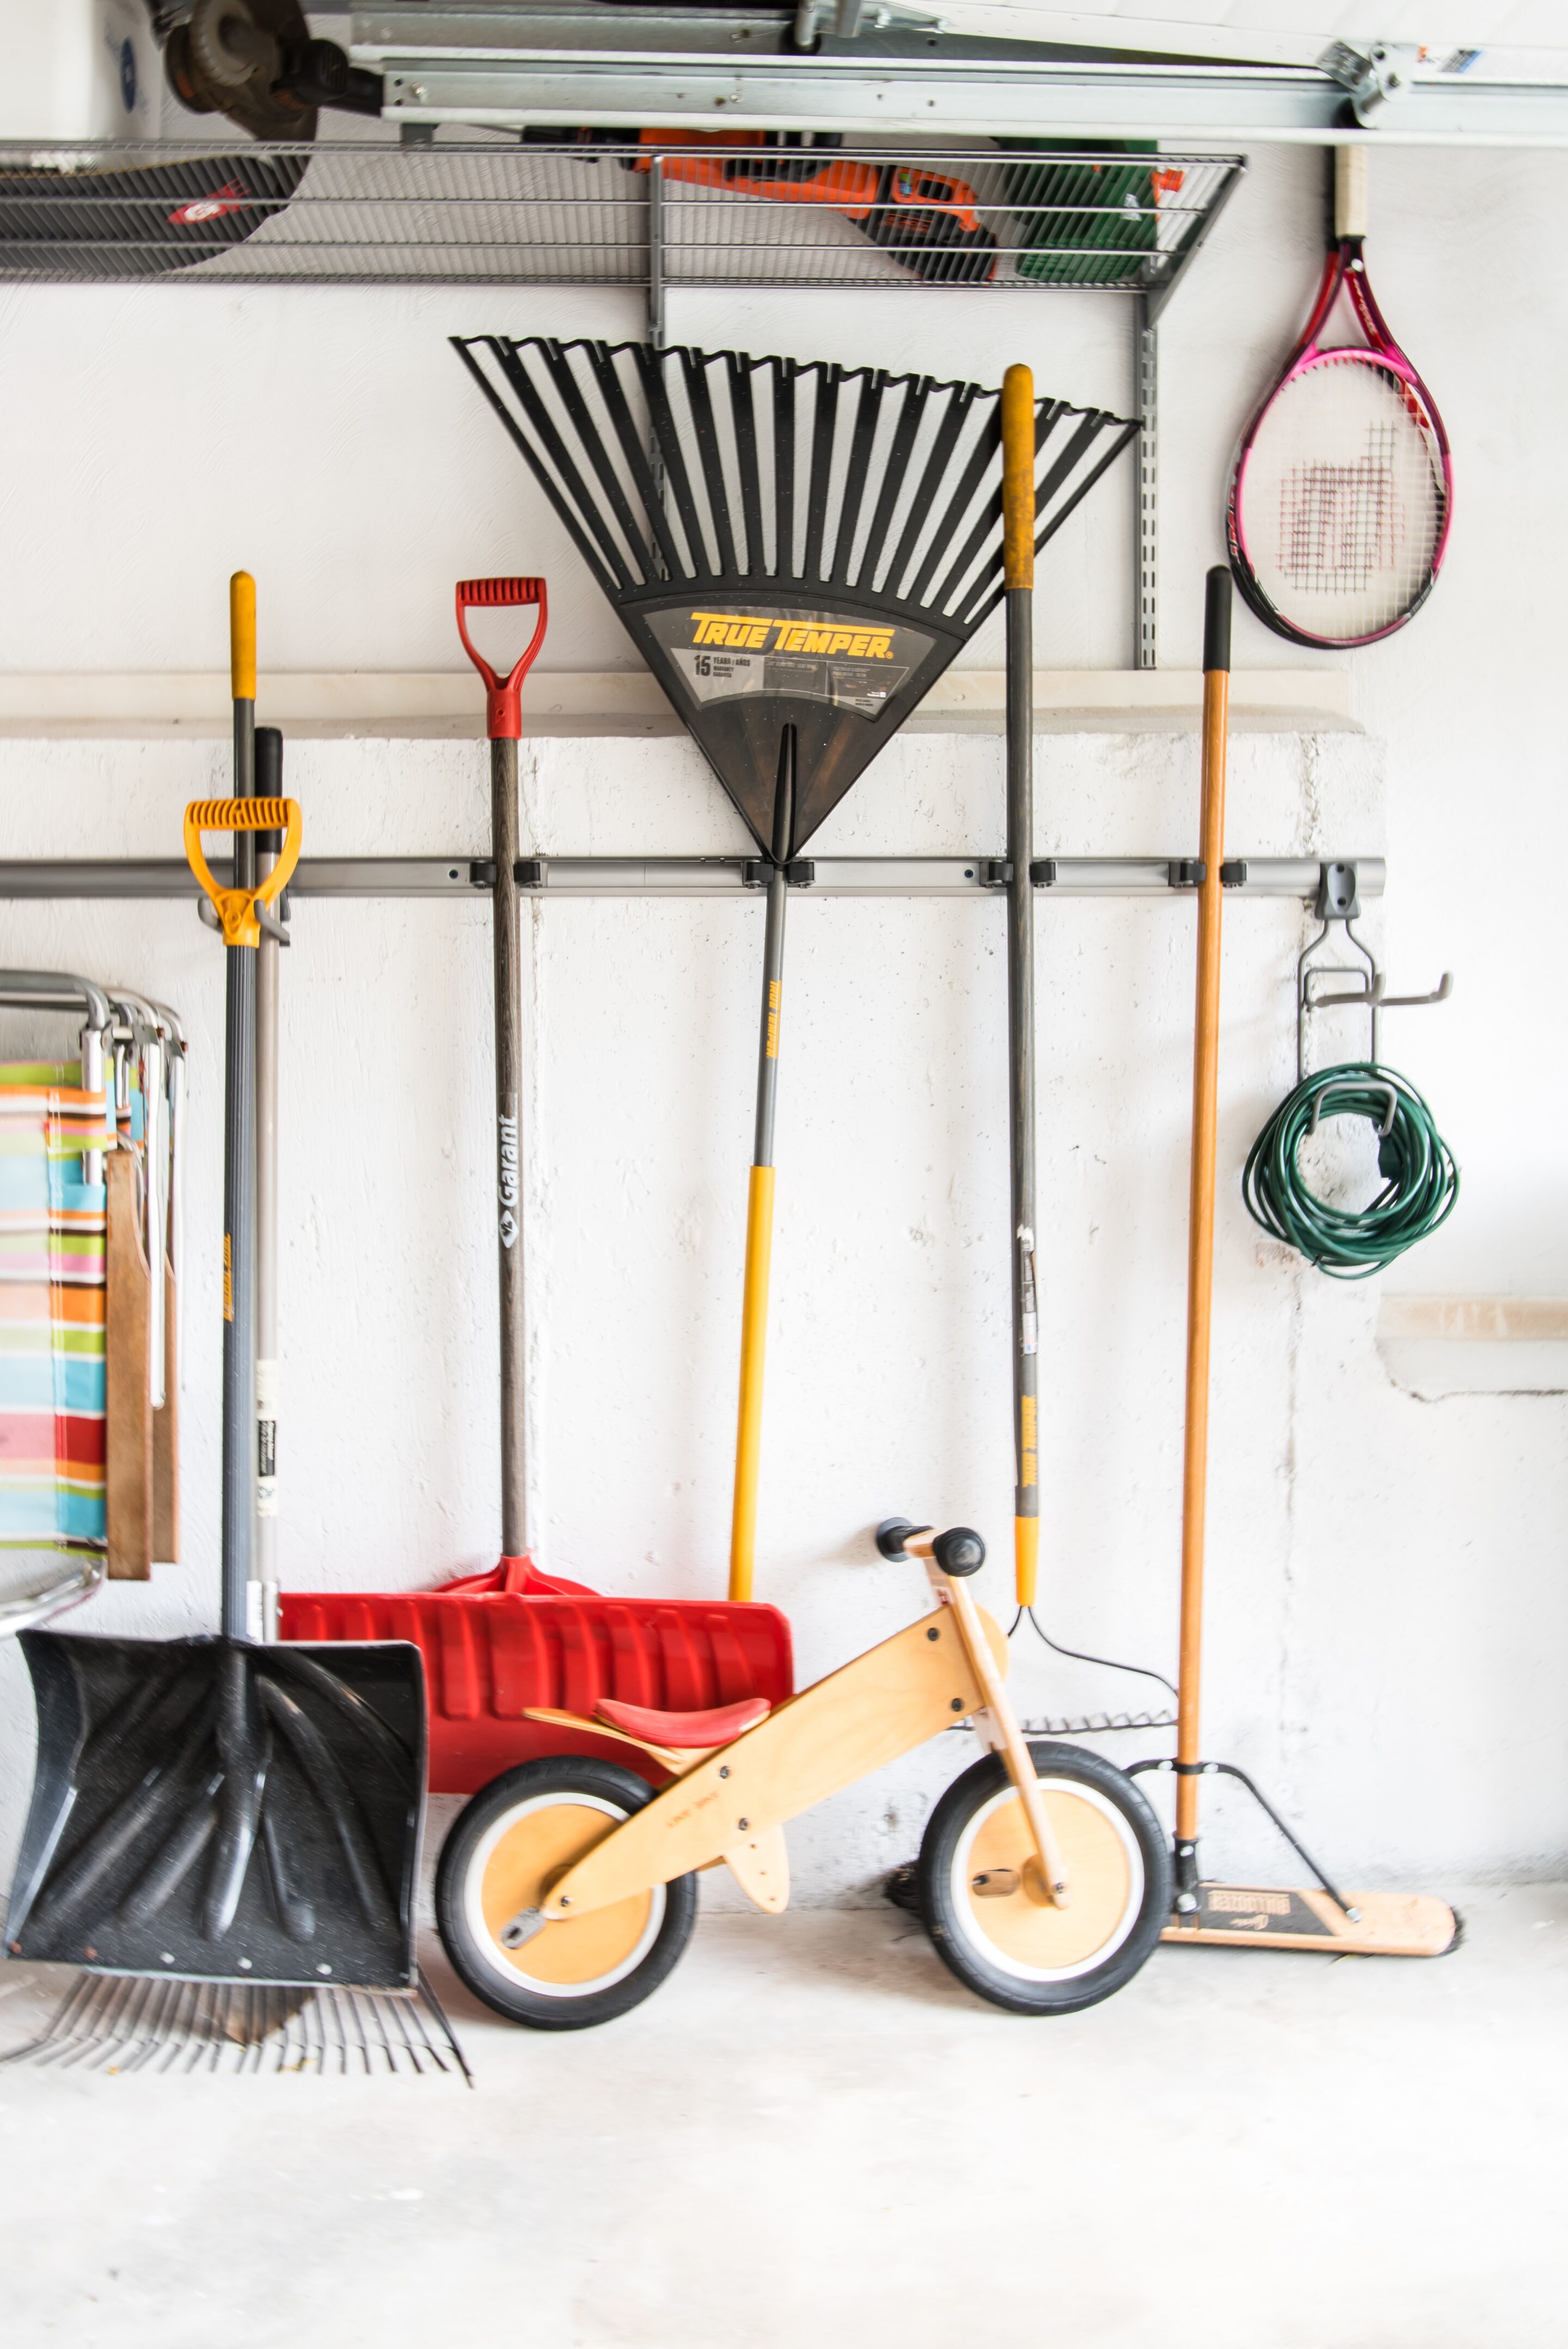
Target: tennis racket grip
x,y
1349,193
1217,619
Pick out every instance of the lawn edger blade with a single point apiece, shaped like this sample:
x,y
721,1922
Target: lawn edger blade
x,y
211,1810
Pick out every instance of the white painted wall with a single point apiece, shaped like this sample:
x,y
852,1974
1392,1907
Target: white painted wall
x,y
1386,1629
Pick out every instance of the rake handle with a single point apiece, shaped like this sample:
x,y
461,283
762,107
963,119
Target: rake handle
x,y
760,1194
1201,1223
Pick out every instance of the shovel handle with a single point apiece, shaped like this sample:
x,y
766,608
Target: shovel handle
x,y
503,709
236,908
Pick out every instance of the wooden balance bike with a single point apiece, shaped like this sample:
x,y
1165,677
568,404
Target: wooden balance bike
x,y
567,1890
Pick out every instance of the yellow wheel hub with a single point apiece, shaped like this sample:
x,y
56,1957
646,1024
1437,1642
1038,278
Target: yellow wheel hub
x,y
521,1865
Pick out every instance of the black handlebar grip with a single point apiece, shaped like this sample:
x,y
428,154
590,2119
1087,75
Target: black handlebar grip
x,y
959,1551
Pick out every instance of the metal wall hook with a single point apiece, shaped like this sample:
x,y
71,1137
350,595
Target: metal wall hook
x,y
1439,994
1338,901
1387,1091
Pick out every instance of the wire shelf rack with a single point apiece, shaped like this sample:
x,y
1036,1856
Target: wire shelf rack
x,y
691,213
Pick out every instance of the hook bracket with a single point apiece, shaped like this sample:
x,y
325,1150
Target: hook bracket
x,y
1338,901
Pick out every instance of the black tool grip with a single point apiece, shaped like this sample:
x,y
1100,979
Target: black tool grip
x,y
1217,619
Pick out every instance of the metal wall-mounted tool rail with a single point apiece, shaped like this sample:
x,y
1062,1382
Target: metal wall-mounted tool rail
x,y
152,878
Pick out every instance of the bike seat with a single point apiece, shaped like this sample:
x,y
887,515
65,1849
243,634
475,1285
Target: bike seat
x,y
685,1732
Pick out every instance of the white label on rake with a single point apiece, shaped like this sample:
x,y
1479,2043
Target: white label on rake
x,y
841,658
714,676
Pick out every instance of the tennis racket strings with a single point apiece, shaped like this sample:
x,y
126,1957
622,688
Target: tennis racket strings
x,y
1341,498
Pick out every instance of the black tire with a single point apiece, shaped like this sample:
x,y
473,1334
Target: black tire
x,y
1011,1949
493,1861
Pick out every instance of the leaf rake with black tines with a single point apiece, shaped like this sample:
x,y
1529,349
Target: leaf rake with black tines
x,y
790,543
799,550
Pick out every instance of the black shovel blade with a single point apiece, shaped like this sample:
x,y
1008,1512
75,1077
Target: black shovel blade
x,y
221,1812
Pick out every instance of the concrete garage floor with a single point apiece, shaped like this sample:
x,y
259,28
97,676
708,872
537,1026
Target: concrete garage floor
x,y
813,2135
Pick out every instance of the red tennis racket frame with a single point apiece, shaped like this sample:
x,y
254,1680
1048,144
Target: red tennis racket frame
x,y
1343,267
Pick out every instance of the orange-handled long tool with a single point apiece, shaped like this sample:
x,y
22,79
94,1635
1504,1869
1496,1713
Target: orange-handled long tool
x,y
1019,430
1201,1223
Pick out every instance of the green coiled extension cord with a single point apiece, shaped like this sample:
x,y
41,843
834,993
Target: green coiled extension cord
x,y
1420,1180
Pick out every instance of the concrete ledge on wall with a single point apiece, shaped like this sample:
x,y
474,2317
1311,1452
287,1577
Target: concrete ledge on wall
x,y
1437,1346
447,703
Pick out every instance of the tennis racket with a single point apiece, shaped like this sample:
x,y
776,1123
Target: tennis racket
x,y
1342,489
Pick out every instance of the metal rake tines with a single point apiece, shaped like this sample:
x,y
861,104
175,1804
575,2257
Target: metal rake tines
x,y
1096,1724
683,467
117,2024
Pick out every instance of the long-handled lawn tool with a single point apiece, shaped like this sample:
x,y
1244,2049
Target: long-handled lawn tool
x,y
1018,585
503,724
502,1644
1318,1916
1018,581
798,551
206,1809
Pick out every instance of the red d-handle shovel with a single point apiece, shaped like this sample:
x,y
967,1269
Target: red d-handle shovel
x,y
503,724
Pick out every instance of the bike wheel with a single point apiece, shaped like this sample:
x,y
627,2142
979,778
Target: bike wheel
x,y
518,1835
990,1929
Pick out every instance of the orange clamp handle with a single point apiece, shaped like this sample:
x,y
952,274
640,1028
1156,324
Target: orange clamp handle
x,y
236,908
503,696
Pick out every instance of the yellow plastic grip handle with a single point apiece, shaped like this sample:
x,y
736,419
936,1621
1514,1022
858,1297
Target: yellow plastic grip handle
x,y
1019,478
236,908
243,637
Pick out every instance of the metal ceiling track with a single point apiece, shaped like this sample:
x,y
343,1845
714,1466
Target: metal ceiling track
x,y
598,63
695,876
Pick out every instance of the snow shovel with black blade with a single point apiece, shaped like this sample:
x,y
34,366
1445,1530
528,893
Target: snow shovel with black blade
x,y
799,550
211,1809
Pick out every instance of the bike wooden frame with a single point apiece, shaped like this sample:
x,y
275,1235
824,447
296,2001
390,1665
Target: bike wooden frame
x,y
730,1803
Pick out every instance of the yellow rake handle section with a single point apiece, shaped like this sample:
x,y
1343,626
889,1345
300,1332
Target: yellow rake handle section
x,y
236,908
1019,478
